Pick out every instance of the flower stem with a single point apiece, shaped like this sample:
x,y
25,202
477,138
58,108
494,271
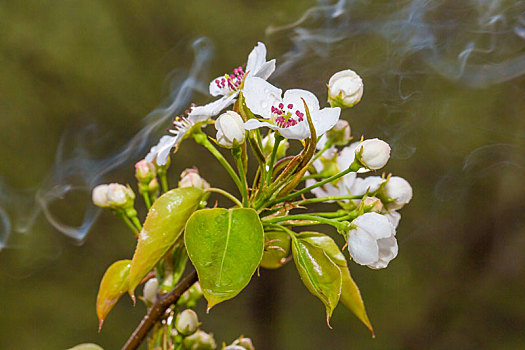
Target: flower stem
x,y
147,200
320,153
202,139
163,182
325,199
237,154
127,221
225,194
278,139
314,218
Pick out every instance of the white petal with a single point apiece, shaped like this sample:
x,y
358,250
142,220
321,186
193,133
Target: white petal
x,y
216,90
163,148
266,69
260,96
325,119
388,250
299,131
295,96
362,247
256,58
255,124
201,113
377,225
394,217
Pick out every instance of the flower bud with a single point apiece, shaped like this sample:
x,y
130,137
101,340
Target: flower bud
x,y
230,129
145,171
151,288
120,196
234,347
339,135
200,340
269,142
372,241
187,322
373,203
246,343
154,187
277,248
373,153
99,196
191,178
345,89
398,190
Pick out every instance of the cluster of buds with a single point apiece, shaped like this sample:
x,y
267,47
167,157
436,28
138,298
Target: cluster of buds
x,y
114,196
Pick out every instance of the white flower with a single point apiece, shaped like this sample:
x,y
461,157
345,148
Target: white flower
x,y
364,185
99,196
373,153
399,190
372,242
394,217
286,114
230,129
228,85
191,178
345,89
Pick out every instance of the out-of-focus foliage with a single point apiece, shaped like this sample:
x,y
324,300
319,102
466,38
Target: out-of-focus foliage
x,y
96,68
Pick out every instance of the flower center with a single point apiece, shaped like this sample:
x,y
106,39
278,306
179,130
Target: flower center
x,y
286,117
231,81
181,123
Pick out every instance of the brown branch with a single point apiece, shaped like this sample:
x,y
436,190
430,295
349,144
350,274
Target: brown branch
x,y
162,303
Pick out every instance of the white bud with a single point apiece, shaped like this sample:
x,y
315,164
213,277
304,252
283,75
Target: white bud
x,y
151,288
373,203
145,171
120,196
339,135
234,347
399,190
99,196
187,322
345,89
200,340
230,129
245,343
191,178
372,242
373,153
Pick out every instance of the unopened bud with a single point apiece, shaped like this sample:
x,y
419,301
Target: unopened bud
x,y
200,340
153,186
151,288
191,178
230,129
345,89
145,171
373,153
187,322
245,343
234,347
99,196
399,191
339,135
120,196
373,204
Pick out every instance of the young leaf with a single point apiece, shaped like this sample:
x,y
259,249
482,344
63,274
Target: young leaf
x,y
318,272
113,285
163,225
350,295
225,246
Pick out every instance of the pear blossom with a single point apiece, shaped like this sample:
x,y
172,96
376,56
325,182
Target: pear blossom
x,y
339,135
99,196
372,242
230,129
145,171
286,114
345,89
399,190
160,152
373,153
228,85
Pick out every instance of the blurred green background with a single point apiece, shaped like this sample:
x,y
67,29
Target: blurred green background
x,y
443,84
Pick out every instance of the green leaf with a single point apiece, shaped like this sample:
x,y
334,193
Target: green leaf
x,y
350,295
318,272
114,283
225,246
163,225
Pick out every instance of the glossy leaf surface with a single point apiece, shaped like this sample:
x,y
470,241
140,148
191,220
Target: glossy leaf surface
x,y
276,249
225,246
350,295
164,224
318,272
114,283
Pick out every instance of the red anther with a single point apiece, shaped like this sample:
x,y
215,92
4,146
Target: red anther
x,y
290,106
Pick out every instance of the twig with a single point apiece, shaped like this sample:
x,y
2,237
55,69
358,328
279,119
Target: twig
x,y
162,303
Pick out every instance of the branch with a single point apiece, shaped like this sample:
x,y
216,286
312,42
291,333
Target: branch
x,y
162,303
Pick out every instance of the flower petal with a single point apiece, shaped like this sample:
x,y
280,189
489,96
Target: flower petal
x,y
215,90
260,96
377,225
362,247
255,124
266,69
201,113
294,96
162,149
325,119
256,58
